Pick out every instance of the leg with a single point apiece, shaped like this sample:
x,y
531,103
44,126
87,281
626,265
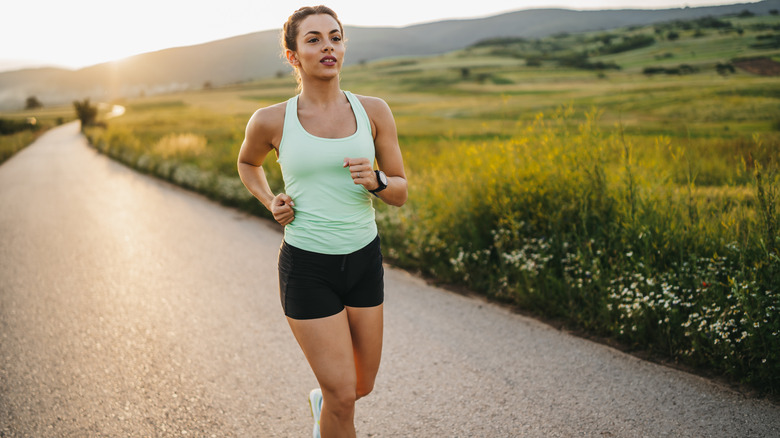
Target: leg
x,y
366,324
344,351
327,345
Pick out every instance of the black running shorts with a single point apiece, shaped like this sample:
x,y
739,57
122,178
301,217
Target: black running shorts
x,y
314,285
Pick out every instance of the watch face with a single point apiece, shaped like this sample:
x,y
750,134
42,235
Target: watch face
x,y
382,178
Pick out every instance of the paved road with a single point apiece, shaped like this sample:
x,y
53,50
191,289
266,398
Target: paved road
x,y
129,307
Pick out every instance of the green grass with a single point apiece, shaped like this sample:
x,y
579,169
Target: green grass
x,y
639,208
44,118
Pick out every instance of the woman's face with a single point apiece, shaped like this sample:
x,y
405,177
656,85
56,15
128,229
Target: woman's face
x,y
321,48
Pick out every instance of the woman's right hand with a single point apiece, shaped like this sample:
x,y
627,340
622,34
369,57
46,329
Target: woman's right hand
x,y
282,209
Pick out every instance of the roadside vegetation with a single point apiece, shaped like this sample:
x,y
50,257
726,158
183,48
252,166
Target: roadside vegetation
x,y
625,183
19,129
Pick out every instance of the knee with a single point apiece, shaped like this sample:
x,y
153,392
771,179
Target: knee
x,y
342,403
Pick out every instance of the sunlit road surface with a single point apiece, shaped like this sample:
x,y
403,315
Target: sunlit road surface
x,y
131,308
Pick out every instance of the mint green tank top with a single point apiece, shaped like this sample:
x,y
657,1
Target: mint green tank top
x,y
332,214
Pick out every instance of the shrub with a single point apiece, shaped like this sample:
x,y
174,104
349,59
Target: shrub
x,y
562,220
85,112
32,102
628,43
13,143
682,69
180,146
11,126
725,68
533,61
502,42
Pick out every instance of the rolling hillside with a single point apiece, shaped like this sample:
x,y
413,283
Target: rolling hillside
x,y
257,55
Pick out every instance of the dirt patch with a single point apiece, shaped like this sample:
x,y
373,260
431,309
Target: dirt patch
x,y
759,66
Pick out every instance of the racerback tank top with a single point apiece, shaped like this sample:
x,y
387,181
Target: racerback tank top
x,y
333,215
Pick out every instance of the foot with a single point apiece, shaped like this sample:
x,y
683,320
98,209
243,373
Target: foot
x,y
315,403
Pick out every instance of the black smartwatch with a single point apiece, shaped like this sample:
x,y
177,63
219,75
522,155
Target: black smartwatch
x,y
381,178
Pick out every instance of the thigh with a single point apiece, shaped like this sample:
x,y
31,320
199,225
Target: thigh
x,y
327,345
366,326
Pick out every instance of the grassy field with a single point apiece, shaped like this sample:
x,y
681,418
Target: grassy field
x,y
35,122
641,207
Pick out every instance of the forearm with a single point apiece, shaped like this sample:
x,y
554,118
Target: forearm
x,y
396,192
255,181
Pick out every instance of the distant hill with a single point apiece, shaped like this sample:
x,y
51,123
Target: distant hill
x,y
256,55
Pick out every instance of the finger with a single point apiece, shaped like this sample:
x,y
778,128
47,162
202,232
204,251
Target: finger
x,y
284,219
286,199
283,199
284,211
360,176
352,162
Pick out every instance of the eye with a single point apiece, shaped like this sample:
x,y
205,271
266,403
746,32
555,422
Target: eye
x,y
336,38
312,40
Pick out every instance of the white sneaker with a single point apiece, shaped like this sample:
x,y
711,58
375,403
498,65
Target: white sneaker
x,y
315,403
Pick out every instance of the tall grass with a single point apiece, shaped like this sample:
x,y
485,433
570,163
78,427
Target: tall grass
x,y
597,229
188,146
13,143
42,119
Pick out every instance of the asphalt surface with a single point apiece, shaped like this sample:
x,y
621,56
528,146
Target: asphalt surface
x,y
132,308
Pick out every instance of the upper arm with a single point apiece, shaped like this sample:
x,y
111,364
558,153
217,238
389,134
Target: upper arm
x,y
387,149
263,134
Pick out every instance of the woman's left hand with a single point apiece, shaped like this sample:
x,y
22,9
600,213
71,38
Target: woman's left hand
x,y
362,172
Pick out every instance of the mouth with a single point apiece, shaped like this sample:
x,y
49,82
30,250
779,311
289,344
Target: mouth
x,y
328,60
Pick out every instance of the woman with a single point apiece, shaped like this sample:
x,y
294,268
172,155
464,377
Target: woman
x,y
330,264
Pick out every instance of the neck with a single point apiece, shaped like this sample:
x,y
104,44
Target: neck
x,y
321,93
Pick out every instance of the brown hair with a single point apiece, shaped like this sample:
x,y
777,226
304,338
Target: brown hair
x,y
291,27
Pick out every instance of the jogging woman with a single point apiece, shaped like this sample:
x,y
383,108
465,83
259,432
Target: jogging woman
x,y
330,264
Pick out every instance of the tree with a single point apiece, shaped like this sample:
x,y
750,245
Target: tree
x,y
85,112
725,68
33,103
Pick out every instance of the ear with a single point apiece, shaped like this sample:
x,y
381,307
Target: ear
x,y
292,58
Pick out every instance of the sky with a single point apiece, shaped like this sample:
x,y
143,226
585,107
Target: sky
x,y
79,33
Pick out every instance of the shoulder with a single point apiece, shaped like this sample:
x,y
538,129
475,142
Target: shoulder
x,y
378,112
268,117
374,106
266,125
381,117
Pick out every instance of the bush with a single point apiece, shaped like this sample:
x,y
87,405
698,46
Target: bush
x,y
32,103
13,143
628,43
725,68
533,61
85,112
562,220
682,69
12,126
581,61
502,42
